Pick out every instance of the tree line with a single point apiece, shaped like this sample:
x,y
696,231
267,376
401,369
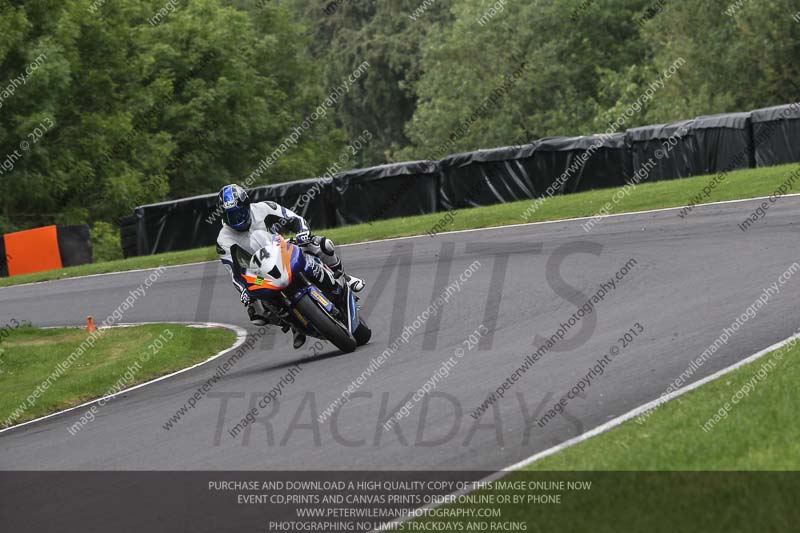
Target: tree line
x,y
105,105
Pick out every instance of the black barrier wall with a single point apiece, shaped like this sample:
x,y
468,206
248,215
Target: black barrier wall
x,y
723,143
574,164
568,164
74,245
776,135
129,236
311,199
485,177
3,259
195,222
386,191
557,165
179,225
670,149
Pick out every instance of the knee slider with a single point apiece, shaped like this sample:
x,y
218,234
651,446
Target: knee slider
x,y
327,247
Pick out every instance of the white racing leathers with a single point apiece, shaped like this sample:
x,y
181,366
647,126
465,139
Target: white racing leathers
x,y
236,247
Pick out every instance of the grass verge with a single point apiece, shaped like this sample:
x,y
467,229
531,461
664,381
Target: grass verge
x,y
758,431
741,184
714,459
121,357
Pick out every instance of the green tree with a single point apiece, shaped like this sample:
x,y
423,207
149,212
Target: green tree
x,y
560,49
122,103
144,111
347,33
733,62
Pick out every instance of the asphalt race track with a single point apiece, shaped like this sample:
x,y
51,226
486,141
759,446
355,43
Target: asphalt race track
x,y
692,277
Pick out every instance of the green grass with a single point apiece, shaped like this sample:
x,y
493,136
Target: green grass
x,y
148,261
29,356
673,193
668,474
761,432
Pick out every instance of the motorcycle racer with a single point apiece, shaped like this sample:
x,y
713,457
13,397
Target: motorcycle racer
x,y
235,245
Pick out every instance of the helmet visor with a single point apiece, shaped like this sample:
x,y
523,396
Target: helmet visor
x,y
237,217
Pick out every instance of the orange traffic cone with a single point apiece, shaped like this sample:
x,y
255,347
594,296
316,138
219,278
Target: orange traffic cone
x,y
90,324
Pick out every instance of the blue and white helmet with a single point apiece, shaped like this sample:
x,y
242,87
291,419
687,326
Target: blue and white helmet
x,y
235,205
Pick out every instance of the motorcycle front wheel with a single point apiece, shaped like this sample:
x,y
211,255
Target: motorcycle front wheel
x,y
330,328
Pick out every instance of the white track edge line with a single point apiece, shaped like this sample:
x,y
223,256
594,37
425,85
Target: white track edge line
x,y
602,428
241,336
541,222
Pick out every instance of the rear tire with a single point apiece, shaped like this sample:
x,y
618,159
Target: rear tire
x,y
326,325
362,334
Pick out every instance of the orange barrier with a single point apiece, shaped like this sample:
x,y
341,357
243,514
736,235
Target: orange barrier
x,y
33,250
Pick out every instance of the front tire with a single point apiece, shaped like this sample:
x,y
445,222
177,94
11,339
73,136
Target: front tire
x,y
326,325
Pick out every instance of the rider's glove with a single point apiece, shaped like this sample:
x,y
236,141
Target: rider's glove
x,y
246,298
303,237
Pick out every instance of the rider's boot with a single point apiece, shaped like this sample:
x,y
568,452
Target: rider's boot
x,y
299,339
326,251
355,284
299,336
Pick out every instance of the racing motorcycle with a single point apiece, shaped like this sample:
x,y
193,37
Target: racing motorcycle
x,y
282,276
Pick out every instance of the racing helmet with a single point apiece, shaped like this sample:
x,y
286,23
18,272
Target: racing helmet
x,y
235,206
